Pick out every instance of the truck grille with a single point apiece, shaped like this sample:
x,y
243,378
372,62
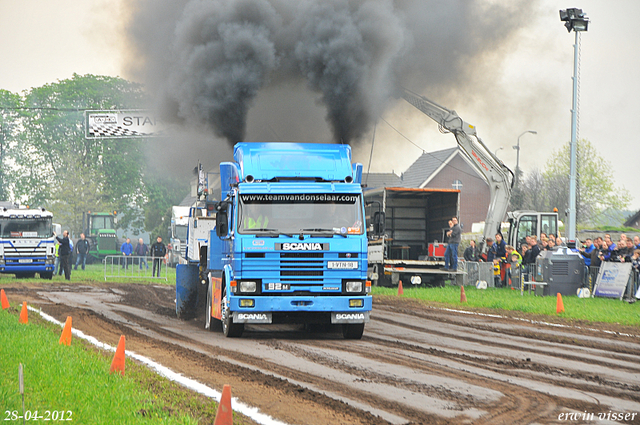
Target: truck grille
x,y
305,272
13,255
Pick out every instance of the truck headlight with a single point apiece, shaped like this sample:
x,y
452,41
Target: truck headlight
x,y
353,286
248,286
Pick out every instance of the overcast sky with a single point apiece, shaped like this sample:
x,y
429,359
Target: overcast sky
x,y
45,41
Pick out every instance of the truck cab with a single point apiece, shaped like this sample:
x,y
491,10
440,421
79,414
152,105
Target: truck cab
x,y
100,230
290,243
27,244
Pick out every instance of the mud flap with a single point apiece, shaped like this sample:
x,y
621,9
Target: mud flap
x,y
187,282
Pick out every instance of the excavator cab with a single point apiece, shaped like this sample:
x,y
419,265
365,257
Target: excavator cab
x,y
525,223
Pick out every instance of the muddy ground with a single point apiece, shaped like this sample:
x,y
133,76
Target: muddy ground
x,y
416,364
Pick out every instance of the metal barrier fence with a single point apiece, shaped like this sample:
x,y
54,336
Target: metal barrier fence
x,y
475,271
134,267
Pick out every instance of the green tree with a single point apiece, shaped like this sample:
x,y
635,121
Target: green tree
x,y
61,168
162,194
9,128
596,191
533,197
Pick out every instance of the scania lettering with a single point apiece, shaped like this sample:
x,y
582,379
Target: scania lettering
x,y
286,243
27,244
301,247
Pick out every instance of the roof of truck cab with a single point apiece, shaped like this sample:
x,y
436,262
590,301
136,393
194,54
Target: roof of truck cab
x,y
265,161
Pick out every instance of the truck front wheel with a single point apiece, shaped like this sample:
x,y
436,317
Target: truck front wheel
x,y
207,310
352,331
230,329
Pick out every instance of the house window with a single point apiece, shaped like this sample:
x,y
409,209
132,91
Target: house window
x,y
457,184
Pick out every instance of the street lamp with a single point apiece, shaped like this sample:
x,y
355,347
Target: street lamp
x,y
576,20
517,148
496,152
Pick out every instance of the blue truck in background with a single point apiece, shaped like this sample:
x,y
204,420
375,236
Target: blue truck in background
x,y
27,243
286,243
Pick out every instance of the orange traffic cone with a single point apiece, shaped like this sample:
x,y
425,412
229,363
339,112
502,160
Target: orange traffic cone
x,y
463,296
559,304
65,338
224,415
400,290
24,314
118,359
3,300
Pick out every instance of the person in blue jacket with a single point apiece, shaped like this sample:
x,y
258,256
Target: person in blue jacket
x,y
126,250
586,252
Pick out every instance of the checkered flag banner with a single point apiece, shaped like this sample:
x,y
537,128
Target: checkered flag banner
x,y
121,124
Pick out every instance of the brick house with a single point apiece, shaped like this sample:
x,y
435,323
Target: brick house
x,y
444,169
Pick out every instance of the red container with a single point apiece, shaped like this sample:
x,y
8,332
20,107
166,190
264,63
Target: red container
x,y
437,249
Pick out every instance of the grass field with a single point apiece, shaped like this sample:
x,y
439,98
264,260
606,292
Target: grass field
x,y
73,382
588,309
96,273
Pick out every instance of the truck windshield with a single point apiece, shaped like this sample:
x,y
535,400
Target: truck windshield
x,y
24,227
102,222
180,232
300,213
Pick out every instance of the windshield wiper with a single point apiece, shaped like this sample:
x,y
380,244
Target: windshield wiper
x,y
274,231
320,229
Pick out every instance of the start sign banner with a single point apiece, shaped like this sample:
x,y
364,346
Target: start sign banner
x,y
122,124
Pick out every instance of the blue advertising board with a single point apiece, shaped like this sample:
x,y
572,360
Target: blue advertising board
x,y
612,280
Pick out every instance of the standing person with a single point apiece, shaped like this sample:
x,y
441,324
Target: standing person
x,y
82,248
534,249
451,253
56,265
491,251
126,250
471,253
64,252
142,250
501,255
501,246
158,251
586,251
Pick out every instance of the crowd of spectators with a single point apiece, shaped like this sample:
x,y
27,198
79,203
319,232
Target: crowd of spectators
x,y
594,251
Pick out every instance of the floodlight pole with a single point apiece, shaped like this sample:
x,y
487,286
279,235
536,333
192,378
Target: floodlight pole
x,y
571,231
575,20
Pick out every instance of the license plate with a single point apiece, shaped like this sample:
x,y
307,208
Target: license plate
x,y
277,286
342,265
25,260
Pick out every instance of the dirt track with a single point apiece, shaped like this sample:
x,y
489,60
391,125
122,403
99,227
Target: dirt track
x,y
414,365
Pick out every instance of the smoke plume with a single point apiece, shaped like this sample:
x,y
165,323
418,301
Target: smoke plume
x,y
208,60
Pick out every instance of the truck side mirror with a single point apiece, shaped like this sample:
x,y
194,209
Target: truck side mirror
x,y
379,219
222,223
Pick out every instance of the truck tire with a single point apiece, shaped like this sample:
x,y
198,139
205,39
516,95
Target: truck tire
x,y
230,329
46,275
354,331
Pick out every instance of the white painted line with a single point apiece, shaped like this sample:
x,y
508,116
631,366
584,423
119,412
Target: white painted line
x,y
238,406
535,322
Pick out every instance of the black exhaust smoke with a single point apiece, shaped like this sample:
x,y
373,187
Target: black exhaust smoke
x,y
207,59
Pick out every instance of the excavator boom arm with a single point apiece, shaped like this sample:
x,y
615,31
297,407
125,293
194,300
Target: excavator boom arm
x,y
499,177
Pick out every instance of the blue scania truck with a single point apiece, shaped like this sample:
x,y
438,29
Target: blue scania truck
x,y
286,242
